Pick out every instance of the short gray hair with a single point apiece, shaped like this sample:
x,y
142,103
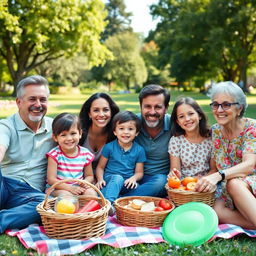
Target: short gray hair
x,y
35,80
233,90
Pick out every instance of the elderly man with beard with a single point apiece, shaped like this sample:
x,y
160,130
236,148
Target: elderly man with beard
x,y
25,137
154,138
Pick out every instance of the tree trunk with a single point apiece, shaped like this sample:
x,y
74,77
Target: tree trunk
x,y
110,83
243,76
128,84
17,77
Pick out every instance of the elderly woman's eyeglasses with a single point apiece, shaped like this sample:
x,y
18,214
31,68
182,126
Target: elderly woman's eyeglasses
x,y
224,105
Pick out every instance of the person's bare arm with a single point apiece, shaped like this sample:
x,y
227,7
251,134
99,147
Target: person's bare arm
x,y
100,172
175,166
2,152
213,167
138,175
88,173
242,169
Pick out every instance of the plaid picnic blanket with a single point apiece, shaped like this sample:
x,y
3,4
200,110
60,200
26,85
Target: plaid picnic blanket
x,y
228,230
116,236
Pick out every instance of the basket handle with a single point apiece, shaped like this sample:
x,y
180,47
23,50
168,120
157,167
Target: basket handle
x,y
79,182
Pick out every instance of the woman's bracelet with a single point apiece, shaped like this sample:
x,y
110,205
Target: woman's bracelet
x,y
222,174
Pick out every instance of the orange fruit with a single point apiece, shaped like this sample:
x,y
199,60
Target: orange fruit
x,y
65,206
188,179
182,187
174,182
191,186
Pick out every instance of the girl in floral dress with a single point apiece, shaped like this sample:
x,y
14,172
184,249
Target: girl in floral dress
x,y
190,147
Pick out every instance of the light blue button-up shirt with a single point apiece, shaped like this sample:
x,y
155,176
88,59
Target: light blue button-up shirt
x,y
25,158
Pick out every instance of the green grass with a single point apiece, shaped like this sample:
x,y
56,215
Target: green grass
x,y
72,103
219,247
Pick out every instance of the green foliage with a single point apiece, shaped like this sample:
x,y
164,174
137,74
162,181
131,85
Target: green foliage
x,y
35,31
127,67
206,38
4,75
54,87
156,74
72,70
89,86
118,18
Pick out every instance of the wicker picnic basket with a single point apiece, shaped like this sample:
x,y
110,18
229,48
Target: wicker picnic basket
x,y
137,218
179,196
77,225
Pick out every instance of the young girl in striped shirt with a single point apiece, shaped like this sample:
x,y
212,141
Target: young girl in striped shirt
x,y
68,160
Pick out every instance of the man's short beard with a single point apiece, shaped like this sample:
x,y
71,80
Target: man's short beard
x,y
152,124
35,118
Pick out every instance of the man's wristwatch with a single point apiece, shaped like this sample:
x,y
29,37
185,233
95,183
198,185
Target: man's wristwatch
x,y
223,176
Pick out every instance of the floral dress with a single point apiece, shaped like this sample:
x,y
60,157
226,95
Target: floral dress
x,y
228,153
194,157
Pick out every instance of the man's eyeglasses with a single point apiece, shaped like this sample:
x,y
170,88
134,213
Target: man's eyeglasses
x,y
225,105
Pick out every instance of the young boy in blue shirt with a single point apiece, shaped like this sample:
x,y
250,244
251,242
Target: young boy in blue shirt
x,y
121,163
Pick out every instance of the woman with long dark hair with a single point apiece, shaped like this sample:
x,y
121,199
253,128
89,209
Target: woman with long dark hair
x,y
96,116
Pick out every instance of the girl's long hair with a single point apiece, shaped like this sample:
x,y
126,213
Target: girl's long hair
x,y
176,130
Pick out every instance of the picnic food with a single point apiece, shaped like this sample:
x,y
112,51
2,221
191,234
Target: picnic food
x,y
174,182
187,180
90,206
182,187
191,186
165,204
137,203
184,194
147,207
188,183
74,226
151,214
65,206
159,209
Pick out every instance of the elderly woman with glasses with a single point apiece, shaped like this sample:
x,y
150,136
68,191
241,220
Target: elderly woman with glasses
x,y
234,152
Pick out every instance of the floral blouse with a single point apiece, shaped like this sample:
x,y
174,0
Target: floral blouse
x,y
228,153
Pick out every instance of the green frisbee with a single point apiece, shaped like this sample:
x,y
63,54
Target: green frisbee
x,y
190,224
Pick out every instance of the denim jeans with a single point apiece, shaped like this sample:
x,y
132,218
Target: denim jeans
x,y
150,185
18,202
114,187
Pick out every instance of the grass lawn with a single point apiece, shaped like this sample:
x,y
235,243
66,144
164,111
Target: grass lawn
x,y
72,103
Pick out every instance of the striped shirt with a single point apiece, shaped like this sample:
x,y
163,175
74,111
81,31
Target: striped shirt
x,y
71,167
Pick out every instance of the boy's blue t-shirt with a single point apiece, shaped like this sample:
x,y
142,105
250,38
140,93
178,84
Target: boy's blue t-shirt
x,y
120,161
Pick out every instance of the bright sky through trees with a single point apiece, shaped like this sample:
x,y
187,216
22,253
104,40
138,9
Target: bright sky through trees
x,y
141,19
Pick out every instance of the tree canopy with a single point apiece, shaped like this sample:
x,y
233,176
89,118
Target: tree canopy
x,y
128,66
35,31
206,38
156,73
119,20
